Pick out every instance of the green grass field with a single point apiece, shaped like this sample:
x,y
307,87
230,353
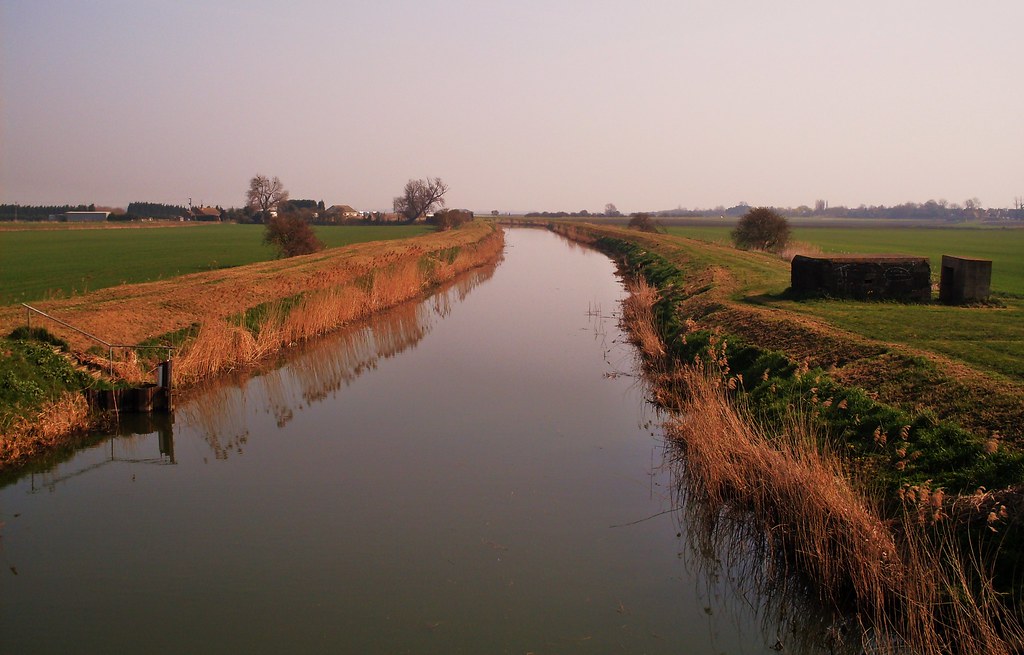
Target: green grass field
x,y
1005,247
36,264
988,338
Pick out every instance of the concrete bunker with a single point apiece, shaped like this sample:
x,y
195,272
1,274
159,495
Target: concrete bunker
x,y
964,280
863,277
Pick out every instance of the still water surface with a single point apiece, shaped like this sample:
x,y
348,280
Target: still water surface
x,y
469,474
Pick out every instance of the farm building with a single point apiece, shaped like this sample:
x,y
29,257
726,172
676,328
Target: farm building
x,y
83,217
206,213
965,279
343,211
876,277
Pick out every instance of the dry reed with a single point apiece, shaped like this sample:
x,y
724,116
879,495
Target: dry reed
x,y
794,248
67,415
909,586
221,345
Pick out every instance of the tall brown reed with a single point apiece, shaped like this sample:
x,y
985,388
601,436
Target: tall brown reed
x,y
221,345
67,415
909,587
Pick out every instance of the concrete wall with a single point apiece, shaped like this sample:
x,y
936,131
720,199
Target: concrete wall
x,y
863,277
965,280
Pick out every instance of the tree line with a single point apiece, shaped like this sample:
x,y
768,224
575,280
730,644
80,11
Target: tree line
x,y
39,212
970,209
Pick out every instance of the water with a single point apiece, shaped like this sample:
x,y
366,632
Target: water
x,y
477,473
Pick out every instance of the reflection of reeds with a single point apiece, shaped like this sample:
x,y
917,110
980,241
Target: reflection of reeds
x,y
219,416
323,367
222,345
784,507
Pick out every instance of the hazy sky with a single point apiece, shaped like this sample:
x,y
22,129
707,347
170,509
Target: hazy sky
x,y
518,105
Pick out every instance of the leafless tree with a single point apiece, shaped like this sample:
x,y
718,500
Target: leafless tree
x,y
420,197
265,194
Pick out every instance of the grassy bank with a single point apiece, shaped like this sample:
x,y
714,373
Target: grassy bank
x,y
225,319
40,393
1001,245
53,263
783,422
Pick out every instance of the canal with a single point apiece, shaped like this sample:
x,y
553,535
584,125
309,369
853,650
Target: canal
x,y
475,473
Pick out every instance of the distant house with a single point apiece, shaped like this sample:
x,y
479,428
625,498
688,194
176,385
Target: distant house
x,y
83,217
342,211
206,214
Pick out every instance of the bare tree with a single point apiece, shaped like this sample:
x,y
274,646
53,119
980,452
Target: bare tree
x,y
420,197
265,194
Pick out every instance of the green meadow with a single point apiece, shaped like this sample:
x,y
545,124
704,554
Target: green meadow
x,y
1005,247
990,338
37,263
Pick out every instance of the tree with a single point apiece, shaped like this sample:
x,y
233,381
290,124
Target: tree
x,y
761,228
420,197
265,194
611,210
291,235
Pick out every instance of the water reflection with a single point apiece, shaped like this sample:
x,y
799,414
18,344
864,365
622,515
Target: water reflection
x,y
744,575
131,444
318,369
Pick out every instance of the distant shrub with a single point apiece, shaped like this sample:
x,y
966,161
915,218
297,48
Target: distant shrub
x,y
291,235
447,219
642,221
761,228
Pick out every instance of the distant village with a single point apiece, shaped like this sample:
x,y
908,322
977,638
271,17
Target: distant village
x,y
314,211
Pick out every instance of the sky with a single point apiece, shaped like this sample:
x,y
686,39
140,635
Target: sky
x,y
518,105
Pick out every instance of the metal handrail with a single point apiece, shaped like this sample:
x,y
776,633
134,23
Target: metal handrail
x,y
110,346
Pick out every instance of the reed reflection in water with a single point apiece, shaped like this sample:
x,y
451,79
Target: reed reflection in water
x,y
316,370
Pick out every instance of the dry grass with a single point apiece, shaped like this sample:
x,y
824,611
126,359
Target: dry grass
x,y
908,586
50,429
336,287
794,248
221,345
129,314
574,233
637,313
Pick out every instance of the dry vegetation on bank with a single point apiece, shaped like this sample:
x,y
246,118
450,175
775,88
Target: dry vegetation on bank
x,y
898,504
220,320
903,582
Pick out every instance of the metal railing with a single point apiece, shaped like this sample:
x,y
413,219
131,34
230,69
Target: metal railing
x,y
29,310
